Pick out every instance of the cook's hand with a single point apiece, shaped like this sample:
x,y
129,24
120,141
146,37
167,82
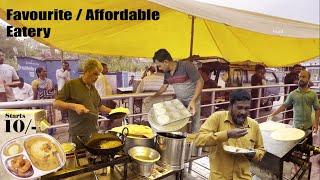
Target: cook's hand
x,y
315,128
250,155
80,109
237,132
192,107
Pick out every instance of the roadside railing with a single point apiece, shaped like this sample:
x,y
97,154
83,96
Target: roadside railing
x,y
316,83
128,100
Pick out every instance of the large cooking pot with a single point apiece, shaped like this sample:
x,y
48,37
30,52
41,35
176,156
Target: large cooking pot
x,y
191,149
133,141
136,139
95,140
144,159
171,146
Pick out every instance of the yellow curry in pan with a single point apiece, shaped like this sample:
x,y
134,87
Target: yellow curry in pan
x,y
109,144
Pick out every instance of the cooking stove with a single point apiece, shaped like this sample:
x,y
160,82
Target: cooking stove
x,y
92,164
299,154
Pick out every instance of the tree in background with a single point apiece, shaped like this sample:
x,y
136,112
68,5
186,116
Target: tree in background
x,y
7,45
119,63
19,47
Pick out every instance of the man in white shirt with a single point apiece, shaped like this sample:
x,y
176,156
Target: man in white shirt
x,y
102,84
7,75
63,75
104,89
23,92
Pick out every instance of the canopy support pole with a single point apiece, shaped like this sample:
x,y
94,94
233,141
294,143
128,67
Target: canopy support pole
x,y
61,55
192,33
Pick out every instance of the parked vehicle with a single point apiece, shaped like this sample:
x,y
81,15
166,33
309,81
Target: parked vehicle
x,y
240,75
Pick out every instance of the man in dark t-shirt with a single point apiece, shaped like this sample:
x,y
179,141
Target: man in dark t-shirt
x,y
256,80
206,97
185,80
291,78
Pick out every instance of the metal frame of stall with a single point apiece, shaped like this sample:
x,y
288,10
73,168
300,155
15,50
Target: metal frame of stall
x,y
91,167
131,97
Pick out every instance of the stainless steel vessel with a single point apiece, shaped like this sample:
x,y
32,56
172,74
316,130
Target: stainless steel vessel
x,y
171,146
144,159
133,141
195,151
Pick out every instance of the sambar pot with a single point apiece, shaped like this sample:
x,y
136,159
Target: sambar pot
x,y
171,146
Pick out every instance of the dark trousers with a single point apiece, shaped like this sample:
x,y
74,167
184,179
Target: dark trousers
x,y
288,115
254,104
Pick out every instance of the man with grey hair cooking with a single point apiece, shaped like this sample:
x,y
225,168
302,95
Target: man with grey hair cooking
x,y
81,99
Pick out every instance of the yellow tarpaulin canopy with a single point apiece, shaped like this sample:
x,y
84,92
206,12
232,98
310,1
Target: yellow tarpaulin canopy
x,y
172,31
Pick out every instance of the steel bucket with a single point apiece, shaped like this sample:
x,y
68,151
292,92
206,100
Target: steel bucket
x,y
171,147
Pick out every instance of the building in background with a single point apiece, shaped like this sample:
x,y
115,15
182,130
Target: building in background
x,y
313,67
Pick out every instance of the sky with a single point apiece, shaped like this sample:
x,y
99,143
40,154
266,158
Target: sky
x,y
299,10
